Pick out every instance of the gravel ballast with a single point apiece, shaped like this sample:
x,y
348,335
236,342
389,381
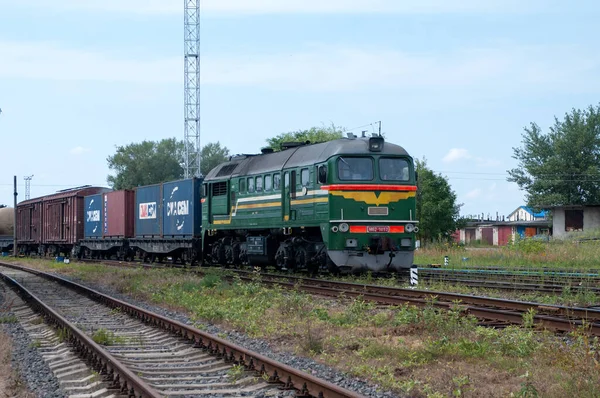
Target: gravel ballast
x,y
28,362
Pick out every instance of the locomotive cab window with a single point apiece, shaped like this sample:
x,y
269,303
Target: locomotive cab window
x,y
259,184
355,169
276,182
304,177
242,184
393,169
322,172
268,182
250,184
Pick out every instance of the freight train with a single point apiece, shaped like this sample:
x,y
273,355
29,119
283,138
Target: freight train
x,y
346,205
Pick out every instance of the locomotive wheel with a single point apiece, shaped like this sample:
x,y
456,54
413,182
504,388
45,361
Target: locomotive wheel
x,y
284,258
301,257
218,253
229,255
243,255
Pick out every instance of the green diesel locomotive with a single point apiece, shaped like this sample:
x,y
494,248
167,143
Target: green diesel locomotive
x,y
343,205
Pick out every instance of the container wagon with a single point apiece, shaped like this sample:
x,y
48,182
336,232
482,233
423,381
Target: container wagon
x,y
168,221
108,225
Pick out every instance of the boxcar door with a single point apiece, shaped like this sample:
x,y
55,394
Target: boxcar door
x,y
286,197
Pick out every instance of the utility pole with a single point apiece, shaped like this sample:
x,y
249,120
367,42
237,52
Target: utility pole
x,y
191,84
28,186
15,222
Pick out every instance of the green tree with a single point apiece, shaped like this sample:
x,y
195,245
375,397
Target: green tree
x,y
314,135
561,167
437,210
152,162
145,163
212,155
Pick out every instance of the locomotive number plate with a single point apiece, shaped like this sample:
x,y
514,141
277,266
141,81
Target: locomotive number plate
x,y
378,228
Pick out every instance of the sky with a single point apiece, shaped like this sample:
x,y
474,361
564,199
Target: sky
x,y
453,82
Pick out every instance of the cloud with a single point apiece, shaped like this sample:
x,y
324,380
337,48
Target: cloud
x,y
320,68
475,193
456,154
78,150
245,7
23,60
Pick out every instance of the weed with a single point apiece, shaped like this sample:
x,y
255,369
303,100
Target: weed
x,y
459,383
210,281
235,373
8,319
106,337
527,390
116,311
528,318
63,334
35,344
313,339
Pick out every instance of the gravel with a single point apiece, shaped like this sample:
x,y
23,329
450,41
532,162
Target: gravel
x,y
29,364
260,346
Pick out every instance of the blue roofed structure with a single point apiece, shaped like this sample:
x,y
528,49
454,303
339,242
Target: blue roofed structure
x,y
526,213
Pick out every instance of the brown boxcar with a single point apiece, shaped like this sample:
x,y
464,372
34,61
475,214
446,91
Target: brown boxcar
x,y
118,211
29,222
62,216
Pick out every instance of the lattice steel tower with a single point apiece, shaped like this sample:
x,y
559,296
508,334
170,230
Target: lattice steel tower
x,y
192,88
28,187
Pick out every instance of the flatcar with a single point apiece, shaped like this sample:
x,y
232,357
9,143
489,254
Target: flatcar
x,y
343,205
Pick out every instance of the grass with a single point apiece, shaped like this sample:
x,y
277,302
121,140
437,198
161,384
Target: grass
x,y
526,253
568,296
423,352
8,318
106,337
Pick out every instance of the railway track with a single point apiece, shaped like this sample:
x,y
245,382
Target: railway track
x,y
592,279
528,281
141,354
490,310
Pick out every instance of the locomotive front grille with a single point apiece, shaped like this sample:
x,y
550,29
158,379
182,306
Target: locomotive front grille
x,y
377,211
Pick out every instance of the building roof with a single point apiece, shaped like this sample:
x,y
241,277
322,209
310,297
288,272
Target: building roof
x,y
540,214
531,223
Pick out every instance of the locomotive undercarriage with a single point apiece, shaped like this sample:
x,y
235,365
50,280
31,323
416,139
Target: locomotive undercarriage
x,y
283,249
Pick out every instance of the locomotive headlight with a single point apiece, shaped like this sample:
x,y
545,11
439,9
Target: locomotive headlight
x,y
344,227
409,228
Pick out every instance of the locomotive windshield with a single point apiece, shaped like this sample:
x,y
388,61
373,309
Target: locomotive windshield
x,y
355,169
393,169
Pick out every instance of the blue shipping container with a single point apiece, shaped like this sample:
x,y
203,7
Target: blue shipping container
x,y
182,209
148,211
93,216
